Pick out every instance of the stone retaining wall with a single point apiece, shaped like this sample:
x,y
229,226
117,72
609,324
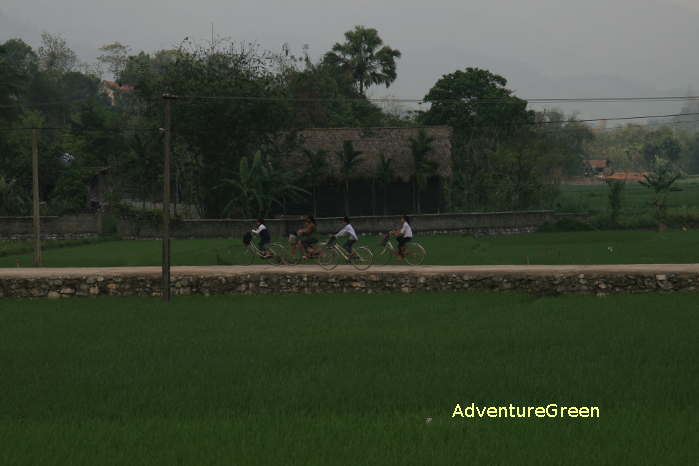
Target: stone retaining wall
x,y
65,227
480,223
601,282
90,225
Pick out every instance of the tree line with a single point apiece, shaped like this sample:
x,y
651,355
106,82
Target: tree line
x,y
239,111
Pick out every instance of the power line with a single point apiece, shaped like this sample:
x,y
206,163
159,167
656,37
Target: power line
x,y
531,123
421,101
52,103
75,130
639,117
553,100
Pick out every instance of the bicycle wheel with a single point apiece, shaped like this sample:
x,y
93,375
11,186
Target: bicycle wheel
x,y
383,255
362,258
247,256
278,254
414,254
327,258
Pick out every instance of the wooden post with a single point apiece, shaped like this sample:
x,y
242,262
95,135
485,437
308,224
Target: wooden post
x,y
35,198
166,198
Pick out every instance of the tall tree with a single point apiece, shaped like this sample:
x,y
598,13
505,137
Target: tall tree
x,y
349,159
219,131
615,198
483,114
423,168
115,57
324,96
55,56
364,57
661,180
660,143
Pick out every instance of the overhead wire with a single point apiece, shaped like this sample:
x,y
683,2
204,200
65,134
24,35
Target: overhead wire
x,y
494,100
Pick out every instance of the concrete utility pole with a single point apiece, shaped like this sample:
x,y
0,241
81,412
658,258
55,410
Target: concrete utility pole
x,y
35,198
167,98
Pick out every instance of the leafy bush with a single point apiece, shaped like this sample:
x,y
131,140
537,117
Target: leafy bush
x,y
70,194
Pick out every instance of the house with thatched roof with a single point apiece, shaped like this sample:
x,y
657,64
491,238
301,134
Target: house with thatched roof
x,y
598,167
389,143
392,143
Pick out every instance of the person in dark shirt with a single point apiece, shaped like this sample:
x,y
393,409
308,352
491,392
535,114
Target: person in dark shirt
x,y
308,236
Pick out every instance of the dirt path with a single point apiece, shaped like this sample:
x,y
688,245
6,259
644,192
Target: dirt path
x,y
631,269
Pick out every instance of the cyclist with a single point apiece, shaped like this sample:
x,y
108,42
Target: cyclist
x,y
265,237
347,230
403,236
308,236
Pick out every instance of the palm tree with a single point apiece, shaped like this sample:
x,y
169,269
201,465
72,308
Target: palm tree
x,y
364,59
317,169
277,183
247,193
384,175
349,159
12,202
661,180
257,186
423,168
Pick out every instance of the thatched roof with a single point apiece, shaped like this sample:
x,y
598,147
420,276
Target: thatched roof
x,y
597,163
393,143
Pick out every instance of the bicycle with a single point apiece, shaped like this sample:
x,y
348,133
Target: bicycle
x,y
296,254
274,254
414,253
361,257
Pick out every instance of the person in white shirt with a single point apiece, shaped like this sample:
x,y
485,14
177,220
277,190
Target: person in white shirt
x,y
404,235
347,230
263,232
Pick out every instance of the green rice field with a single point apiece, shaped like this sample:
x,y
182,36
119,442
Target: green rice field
x,y
637,201
348,380
591,247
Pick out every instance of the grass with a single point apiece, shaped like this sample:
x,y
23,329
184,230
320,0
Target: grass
x,y
20,247
317,380
637,201
593,247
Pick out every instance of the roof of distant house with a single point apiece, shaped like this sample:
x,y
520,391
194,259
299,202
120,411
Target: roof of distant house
x,y
627,176
393,143
118,87
598,163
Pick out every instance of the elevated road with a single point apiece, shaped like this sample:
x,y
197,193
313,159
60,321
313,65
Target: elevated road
x,y
268,279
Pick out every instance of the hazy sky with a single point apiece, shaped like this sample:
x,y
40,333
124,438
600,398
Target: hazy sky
x,y
546,48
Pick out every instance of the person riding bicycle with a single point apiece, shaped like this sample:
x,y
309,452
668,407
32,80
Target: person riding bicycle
x,y
308,235
264,235
404,235
347,230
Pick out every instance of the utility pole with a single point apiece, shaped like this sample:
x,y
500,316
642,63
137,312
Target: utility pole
x,y
35,198
167,98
